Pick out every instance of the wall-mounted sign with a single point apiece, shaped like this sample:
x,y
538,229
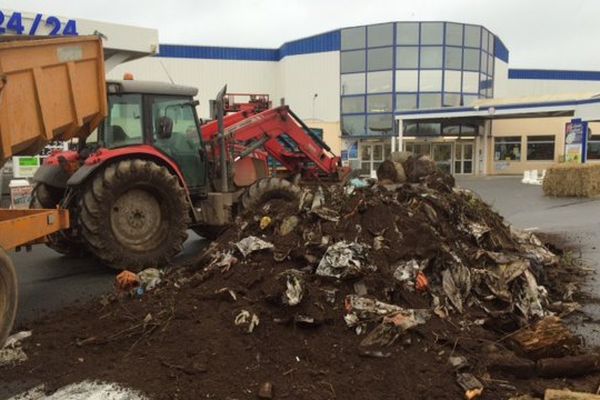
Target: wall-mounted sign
x,y
576,133
15,23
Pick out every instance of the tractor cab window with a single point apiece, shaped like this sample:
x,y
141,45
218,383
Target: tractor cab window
x,y
184,135
123,127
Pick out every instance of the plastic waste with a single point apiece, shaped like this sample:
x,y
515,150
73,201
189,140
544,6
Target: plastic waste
x,y
359,183
288,225
127,280
326,214
294,281
472,386
12,353
344,260
149,278
251,244
265,222
247,321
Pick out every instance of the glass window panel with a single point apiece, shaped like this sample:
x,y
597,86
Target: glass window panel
x,y
351,105
468,99
432,33
407,33
407,57
353,84
430,81
457,167
377,152
380,124
365,153
422,149
430,100
380,35
410,128
469,130
406,102
593,150
429,129
468,167
353,124
472,36
380,58
489,93
471,60
507,148
454,34
407,81
484,39
540,148
353,61
354,38
470,82
452,130
452,81
490,69
453,59
379,103
379,82
431,57
483,62
451,100
491,43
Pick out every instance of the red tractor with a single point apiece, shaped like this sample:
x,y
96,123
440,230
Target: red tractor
x,y
151,172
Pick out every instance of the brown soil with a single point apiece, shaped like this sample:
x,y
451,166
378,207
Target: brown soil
x,y
180,340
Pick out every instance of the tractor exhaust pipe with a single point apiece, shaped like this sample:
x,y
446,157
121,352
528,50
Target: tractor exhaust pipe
x,y
220,114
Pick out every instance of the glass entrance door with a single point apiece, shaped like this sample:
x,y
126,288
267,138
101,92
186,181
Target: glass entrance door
x,y
442,155
463,158
371,156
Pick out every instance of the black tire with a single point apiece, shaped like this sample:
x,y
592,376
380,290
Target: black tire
x,y
8,296
68,243
134,214
266,189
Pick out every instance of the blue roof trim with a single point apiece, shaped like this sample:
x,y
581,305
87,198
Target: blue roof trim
x,y
500,49
549,74
329,41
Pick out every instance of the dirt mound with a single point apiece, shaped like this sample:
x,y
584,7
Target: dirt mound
x,y
401,291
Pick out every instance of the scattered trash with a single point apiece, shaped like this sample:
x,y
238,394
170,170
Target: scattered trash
x,y
265,391
406,273
83,390
149,278
15,339
265,222
251,244
472,386
326,214
247,321
555,394
547,337
359,183
318,199
458,362
288,225
127,280
345,260
294,281
223,261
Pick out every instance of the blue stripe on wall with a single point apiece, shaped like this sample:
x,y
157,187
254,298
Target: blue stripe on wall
x,y
329,41
550,74
500,49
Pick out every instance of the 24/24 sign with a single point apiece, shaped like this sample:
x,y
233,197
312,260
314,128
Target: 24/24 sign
x,y
13,24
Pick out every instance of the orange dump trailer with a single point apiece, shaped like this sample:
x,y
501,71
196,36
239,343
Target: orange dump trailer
x,y
50,89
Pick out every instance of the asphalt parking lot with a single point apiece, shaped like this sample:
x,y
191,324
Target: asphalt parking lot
x,y
49,281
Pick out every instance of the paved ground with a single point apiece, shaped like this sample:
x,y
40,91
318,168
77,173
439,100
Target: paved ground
x,y
49,281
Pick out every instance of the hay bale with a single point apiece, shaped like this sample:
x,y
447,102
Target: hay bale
x,y
572,180
391,171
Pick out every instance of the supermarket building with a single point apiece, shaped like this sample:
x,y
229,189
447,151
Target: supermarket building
x,y
439,88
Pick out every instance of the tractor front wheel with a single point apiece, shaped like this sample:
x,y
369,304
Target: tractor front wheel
x,y
134,215
8,296
267,189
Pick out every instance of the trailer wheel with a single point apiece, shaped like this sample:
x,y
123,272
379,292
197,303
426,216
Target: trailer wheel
x,y
266,189
134,214
66,243
8,296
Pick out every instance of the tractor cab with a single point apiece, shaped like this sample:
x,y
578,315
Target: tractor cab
x,y
160,115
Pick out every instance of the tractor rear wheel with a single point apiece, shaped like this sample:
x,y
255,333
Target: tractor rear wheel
x,y
8,296
134,215
267,189
67,243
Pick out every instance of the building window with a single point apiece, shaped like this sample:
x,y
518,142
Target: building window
x,y
406,102
540,148
470,82
354,38
353,61
353,84
379,103
452,100
593,148
432,33
380,35
454,34
380,124
507,148
431,57
471,60
379,82
430,100
429,129
453,58
430,81
407,81
353,105
407,57
472,36
353,125
407,33
379,59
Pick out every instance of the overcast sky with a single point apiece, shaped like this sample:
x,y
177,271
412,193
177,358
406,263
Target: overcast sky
x,y
539,34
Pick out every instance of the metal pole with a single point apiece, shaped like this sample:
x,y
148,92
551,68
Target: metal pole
x,y
220,112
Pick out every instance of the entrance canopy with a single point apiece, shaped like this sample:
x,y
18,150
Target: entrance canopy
x,y
581,105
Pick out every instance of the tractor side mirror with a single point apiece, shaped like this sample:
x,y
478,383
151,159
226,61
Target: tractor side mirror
x,y
164,127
